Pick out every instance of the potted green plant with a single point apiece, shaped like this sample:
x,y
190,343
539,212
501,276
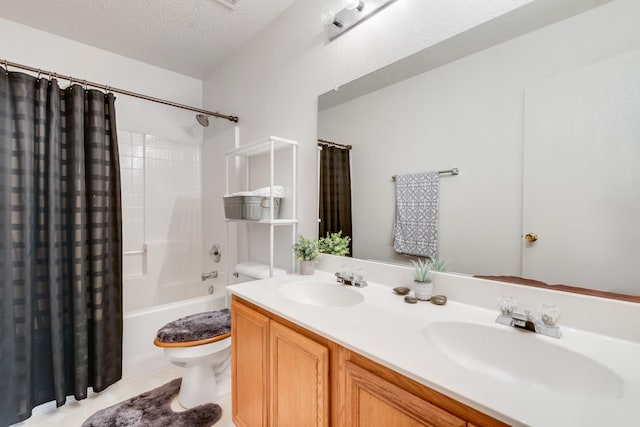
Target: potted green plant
x,y
307,252
335,244
422,273
439,264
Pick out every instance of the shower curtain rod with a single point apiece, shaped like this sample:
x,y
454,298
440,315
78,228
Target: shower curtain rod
x,y
107,88
325,142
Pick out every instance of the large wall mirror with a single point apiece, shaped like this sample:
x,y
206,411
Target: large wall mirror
x,y
540,112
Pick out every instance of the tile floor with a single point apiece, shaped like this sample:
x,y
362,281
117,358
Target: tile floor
x,y
73,413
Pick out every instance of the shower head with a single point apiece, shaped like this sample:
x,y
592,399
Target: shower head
x,y
203,119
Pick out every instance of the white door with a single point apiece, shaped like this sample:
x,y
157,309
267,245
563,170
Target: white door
x,y
581,191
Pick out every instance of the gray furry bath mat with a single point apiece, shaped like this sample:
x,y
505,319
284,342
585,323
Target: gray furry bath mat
x,y
153,409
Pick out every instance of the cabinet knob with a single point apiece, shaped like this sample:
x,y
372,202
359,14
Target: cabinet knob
x,y
531,237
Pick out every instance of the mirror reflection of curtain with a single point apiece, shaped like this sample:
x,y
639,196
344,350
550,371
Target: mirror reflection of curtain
x,y
60,244
335,191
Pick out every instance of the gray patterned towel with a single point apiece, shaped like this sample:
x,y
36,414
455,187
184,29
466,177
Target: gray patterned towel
x,y
415,231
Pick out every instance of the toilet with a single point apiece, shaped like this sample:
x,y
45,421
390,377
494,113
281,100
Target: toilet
x,y
201,344
248,271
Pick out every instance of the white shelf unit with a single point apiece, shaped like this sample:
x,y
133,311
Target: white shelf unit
x,y
266,146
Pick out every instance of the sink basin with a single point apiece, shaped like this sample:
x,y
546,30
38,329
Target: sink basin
x,y
522,358
321,294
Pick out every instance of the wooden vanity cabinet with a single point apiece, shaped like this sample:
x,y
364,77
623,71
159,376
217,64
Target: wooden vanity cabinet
x,y
284,375
373,401
249,366
379,396
279,374
299,379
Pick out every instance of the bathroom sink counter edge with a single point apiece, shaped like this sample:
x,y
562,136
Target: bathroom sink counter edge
x,y
412,339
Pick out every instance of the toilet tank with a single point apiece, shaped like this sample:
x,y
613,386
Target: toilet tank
x,y
248,271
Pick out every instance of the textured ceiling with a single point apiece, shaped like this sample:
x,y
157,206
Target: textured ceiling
x,y
190,37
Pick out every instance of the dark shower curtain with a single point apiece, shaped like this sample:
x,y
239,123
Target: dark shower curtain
x,y
335,192
60,244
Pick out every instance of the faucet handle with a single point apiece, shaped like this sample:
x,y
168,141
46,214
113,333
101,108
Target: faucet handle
x,y
345,272
549,314
507,305
344,275
358,278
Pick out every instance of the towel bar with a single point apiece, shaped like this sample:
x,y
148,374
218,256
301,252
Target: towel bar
x,y
452,171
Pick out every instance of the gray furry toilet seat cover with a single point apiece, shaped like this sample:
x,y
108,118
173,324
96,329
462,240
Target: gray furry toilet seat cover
x,y
195,327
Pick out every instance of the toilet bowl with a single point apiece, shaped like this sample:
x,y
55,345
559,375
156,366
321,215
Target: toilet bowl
x,y
201,363
201,344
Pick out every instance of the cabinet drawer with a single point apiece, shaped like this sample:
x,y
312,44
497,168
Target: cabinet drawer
x,y
373,401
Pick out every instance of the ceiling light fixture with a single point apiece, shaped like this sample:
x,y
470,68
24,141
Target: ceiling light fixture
x,y
231,4
354,12
354,4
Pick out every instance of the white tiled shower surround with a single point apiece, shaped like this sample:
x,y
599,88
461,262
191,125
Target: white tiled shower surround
x,y
161,209
131,147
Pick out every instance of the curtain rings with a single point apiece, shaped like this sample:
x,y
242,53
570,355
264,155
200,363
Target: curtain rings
x,y
39,73
6,66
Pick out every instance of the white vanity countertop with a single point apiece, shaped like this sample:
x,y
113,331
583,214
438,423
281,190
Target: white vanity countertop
x,y
386,329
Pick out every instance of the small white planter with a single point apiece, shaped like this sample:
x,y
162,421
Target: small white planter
x,y
423,290
307,268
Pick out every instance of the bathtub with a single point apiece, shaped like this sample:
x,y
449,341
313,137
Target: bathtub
x,y
140,356
148,291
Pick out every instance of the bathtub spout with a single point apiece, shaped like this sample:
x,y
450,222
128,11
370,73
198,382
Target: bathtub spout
x,y
210,275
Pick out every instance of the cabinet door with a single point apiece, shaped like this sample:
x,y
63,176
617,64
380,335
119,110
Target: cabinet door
x,y
249,366
299,373
372,401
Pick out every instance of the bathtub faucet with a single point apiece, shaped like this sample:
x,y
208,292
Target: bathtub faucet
x,y
210,275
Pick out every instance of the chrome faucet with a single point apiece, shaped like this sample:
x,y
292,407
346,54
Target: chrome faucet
x,y
547,324
210,275
346,277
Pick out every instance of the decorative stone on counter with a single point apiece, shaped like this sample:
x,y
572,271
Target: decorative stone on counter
x,y
438,300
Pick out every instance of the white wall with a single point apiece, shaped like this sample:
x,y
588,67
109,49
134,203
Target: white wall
x,y
274,81
165,207
467,114
25,45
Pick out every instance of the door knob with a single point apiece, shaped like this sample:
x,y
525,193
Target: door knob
x,y
531,237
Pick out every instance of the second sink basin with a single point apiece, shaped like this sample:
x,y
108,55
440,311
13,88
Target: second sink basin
x,y
321,294
522,358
